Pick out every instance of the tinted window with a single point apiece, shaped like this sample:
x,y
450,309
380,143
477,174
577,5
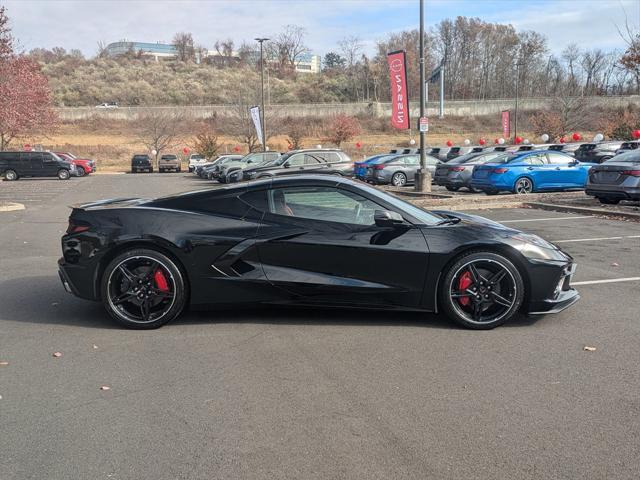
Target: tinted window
x,y
538,159
296,160
322,203
632,156
9,156
311,160
558,159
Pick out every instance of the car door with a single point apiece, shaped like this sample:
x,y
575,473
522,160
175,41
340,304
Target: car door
x,y
50,165
535,167
35,166
294,164
411,165
565,172
321,244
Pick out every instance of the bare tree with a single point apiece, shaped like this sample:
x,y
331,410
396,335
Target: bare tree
x,y
160,131
288,47
351,48
183,43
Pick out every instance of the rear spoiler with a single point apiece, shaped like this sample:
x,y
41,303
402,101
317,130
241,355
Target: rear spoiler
x,y
110,203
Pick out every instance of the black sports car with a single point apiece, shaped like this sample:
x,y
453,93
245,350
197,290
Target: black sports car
x,y
306,240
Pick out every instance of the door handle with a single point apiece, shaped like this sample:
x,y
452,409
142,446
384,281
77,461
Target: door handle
x,y
529,168
557,168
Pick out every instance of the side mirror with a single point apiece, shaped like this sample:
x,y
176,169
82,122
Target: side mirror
x,y
286,165
574,163
387,218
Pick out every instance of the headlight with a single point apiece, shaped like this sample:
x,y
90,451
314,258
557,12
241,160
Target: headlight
x,y
534,240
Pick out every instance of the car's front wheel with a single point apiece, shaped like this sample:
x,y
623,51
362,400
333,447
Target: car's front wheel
x,y
481,290
10,175
143,289
399,179
63,174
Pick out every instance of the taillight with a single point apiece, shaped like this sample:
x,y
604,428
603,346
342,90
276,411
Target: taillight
x,y
633,173
457,169
500,170
76,226
378,167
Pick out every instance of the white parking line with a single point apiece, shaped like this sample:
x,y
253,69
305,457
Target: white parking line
x,y
611,280
549,219
596,239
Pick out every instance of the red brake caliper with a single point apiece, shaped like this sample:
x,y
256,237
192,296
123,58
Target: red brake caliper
x,y
161,281
463,284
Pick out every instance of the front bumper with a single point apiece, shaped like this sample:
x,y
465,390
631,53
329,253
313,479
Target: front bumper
x,y
563,296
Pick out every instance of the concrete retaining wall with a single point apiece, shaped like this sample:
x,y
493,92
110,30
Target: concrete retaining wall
x,y
378,109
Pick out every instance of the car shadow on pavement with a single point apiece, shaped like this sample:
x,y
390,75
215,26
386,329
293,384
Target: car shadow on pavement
x,y
43,300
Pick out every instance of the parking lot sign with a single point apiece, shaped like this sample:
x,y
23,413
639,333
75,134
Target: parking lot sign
x,y
424,124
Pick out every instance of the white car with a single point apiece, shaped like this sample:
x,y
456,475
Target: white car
x,y
107,105
195,159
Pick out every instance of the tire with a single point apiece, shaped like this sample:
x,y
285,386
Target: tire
x,y
127,312
609,201
179,170
398,179
63,174
10,175
452,189
523,186
491,192
500,301
81,172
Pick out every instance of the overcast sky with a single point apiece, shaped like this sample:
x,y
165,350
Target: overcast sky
x,y
82,23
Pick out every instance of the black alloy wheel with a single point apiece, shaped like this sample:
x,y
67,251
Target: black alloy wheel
x,y
482,290
143,289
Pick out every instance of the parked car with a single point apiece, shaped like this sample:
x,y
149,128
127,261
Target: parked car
x,y
527,172
209,169
439,152
360,168
326,161
631,145
323,241
195,160
398,170
568,148
232,171
108,105
456,173
616,179
597,152
404,151
455,152
141,163
168,162
84,166
15,165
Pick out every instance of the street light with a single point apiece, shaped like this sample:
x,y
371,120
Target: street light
x,y
264,129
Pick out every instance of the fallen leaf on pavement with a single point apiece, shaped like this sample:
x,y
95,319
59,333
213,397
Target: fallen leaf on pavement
x,y
589,349
57,354
4,364
95,346
104,387
615,264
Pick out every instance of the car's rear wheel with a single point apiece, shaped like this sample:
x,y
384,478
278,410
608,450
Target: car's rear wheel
x,y
81,172
523,186
63,174
10,175
481,290
399,179
452,188
609,201
143,289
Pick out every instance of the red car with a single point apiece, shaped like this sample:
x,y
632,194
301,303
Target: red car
x,y
84,166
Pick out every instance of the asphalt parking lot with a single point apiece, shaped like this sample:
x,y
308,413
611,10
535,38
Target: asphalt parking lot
x,y
292,393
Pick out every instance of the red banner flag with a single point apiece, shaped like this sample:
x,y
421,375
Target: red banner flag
x,y
506,124
399,93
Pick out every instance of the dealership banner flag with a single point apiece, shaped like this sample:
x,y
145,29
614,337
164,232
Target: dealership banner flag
x,y
255,115
506,124
399,93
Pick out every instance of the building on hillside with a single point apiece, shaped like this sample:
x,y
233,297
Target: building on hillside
x,y
307,63
154,50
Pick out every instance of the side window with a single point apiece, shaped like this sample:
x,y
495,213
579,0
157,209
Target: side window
x,y
412,160
332,157
539,159
47,158
296,160
325,204
35,159
557,159
311,160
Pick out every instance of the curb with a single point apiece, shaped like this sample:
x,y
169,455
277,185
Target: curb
x,y
584,210
11,207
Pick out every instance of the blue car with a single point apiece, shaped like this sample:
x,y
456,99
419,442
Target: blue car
x,y
360,168
533,171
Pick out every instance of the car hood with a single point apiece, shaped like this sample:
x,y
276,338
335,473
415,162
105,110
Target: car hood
x,y
613,165
473,220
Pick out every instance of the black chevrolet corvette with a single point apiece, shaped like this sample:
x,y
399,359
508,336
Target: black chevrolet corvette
x,y
306,240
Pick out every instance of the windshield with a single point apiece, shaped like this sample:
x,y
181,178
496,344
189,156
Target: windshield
x,y
632,156
423,217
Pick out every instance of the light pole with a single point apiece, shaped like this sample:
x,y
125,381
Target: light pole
x,y
515,114
264,127
423,177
